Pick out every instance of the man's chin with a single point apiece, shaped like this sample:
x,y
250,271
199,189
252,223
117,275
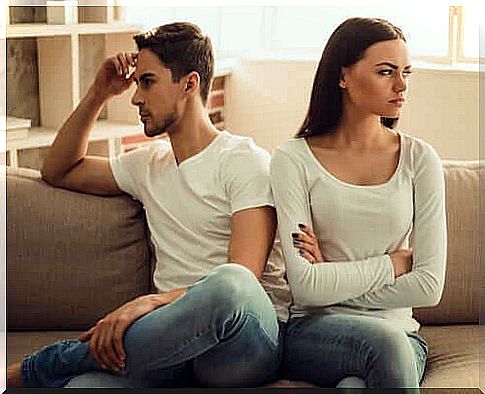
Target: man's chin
x,y
154,133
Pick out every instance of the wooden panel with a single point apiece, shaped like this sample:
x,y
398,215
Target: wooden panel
x,y
43,30
120,108
58,79
23,14
22,80
95,14
91,56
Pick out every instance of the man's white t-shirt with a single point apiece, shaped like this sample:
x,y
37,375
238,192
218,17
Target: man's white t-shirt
x,y
189,207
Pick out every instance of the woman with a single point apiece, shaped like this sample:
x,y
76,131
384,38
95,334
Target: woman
x,y
361,218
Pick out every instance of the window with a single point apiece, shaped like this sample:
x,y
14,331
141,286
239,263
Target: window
x,y
470,31
436,33
308,28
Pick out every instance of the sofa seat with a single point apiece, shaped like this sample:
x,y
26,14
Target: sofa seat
x,y
450,363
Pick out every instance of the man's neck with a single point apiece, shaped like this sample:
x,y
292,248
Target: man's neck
x,y
193,134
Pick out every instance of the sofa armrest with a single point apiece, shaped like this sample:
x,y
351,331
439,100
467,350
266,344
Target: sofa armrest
x,y
71,257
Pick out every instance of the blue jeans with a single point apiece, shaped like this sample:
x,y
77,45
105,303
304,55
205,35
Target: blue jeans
x,y
324,349
222,332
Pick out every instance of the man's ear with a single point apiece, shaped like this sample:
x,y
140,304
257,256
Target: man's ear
x,y
192,82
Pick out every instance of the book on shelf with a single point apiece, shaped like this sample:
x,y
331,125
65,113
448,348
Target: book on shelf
x,y
17,128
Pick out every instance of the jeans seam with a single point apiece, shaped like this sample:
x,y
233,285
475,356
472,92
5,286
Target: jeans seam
x,y
25,374
273,345
180,350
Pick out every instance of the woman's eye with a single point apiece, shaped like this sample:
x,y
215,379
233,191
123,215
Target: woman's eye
x,y
407,74
385,72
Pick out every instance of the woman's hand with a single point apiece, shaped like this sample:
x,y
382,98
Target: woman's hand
x,y
307,243
402,261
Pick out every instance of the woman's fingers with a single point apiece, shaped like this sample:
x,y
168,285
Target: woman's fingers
x,y
308,256
307,230
308,240
309,248
302,237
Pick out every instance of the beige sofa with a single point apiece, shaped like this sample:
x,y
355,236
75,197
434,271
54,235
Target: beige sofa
x,y
72,257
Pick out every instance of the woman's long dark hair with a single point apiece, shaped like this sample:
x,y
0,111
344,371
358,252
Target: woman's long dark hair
x,y
345,47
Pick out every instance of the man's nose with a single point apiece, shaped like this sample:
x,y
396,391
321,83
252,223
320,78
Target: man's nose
x,y
136,99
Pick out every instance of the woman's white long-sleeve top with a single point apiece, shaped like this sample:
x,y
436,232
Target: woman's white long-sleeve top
x,y
357,227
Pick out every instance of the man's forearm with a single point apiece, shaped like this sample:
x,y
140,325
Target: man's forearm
x,y
71,142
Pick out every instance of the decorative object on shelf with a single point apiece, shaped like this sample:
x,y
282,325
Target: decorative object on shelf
x,y
62,12
17,128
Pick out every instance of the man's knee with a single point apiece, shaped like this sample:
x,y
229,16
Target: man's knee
x,y
235,285
234,294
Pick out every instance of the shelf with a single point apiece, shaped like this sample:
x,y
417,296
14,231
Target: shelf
x,y
103,130
44,30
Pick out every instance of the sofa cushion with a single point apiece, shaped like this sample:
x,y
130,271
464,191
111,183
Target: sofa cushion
x,y
71,257
453,359
461,296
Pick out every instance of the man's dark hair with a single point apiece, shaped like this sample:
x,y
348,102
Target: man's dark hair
x,y
345,47
182,48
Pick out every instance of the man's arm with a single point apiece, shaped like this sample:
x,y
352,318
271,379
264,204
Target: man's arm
x,y
252,236
67,165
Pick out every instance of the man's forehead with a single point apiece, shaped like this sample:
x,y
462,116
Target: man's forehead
x,y
148,62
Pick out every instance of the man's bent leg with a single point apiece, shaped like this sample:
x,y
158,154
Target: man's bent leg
x,y
224,323
212,312
56,364
99,380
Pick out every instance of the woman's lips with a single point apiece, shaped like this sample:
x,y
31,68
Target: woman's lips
x,y
397,102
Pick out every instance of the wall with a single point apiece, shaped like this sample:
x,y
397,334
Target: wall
x,y
267,99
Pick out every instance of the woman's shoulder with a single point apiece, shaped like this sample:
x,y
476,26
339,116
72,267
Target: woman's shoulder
x,y
294,148
421,152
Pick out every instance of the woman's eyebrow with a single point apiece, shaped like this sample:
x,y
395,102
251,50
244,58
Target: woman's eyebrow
x,y
391,65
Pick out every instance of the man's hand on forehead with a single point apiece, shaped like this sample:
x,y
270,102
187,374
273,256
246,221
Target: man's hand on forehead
x,y
126,63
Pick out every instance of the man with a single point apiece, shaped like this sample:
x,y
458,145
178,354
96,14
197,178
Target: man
x,y
209,208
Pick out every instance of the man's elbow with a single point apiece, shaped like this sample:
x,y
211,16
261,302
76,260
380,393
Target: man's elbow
x,y
48,176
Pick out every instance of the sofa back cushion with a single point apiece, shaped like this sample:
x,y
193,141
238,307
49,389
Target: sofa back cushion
x,y
71,257
461,297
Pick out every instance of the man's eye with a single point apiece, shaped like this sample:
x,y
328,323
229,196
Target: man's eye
x,y
407,74
146,82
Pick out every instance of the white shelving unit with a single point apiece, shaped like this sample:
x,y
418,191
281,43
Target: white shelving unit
x,y
66,68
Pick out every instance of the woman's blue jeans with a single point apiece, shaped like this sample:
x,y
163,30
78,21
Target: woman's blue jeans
x,y
324,349
223,332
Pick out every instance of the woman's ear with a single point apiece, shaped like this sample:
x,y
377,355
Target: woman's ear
x,y
342,83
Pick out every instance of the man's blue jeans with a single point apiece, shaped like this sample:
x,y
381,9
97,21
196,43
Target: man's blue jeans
x,y
223,332
324,349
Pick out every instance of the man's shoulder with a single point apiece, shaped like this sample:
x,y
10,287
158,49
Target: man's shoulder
x,y
234,144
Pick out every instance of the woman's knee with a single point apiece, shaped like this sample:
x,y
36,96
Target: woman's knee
x,y
392,363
